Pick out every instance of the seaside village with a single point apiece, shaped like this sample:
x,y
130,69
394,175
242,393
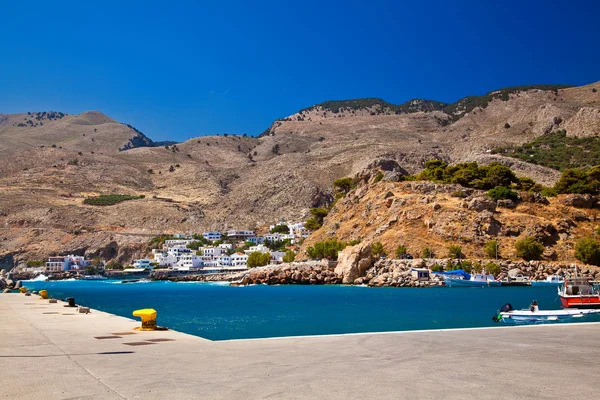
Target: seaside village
x,y
210,252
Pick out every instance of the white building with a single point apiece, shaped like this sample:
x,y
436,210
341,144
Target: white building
x,y
188,262
143,263
177,242
211,251
298,230
66,263
212,236
239,260
279,237
260,248
256,240
239,235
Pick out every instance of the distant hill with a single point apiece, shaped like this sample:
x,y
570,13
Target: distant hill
x,y
51,164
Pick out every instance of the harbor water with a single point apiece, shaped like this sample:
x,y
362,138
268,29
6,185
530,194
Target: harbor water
x,y
219,312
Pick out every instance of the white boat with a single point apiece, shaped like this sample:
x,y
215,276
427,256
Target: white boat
x,y
534,315
93,278
552,280
475,280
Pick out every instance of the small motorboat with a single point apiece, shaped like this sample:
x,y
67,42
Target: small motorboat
x,y
462,278
552,280
579,293
534,315
130,281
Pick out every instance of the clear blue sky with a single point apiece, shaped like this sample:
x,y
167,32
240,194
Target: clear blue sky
x,y
178,69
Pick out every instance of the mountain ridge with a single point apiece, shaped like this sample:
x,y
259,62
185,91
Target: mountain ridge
x,y
231,181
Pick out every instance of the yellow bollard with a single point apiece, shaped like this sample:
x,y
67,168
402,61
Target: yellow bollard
x,y
148,316
23,289
44,294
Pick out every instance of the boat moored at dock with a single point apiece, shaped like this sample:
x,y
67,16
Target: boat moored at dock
x,y
461,278
552,280
579,293
534,315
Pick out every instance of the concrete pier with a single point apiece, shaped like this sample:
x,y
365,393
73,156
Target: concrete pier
x,y
48,351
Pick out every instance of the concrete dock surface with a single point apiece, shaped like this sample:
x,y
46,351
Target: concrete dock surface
x,y
48,351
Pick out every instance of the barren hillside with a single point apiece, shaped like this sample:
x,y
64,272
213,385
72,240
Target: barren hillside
x,y
52,161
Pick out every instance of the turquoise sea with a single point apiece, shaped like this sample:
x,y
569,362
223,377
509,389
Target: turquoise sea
x,y
220,312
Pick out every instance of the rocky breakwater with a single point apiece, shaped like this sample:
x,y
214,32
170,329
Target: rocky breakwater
x,y
224,277
301,273
397,273
8,282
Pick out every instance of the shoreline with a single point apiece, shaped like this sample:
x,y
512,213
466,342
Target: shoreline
x,y
102,359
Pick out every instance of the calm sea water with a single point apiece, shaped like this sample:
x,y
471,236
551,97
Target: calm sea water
x,y
218,312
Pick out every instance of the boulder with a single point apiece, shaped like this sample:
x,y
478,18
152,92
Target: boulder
x,y
2,284
580,200
482,203
506,203
514,272
353,262
18,284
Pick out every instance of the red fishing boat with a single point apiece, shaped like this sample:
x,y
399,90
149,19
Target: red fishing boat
x,y
579,293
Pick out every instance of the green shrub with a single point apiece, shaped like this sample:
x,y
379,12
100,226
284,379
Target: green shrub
x,y
400,251
492,249
493,268
437,268
354,242
427,253
556,150
109,199
379,177
502,193
35,263
312,224
289,256
529,248
258,259
466,265
455,251
344,185
328,249
377,249
468,174
587,250
280,229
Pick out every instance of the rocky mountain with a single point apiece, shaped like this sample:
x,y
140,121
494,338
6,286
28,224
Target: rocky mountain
x,y
423,214
53,161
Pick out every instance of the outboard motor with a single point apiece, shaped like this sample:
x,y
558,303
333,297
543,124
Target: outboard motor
x,y
505,308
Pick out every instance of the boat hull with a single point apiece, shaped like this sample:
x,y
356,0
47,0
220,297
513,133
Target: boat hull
x,y
527,316
450,282
545,283
589,302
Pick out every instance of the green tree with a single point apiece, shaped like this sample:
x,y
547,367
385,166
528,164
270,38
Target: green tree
x,y
343,185
35,263
501,193
280,229
319,214
289,256
427,253
455,251
493,268
400,251
587,250
492,249
574,181
312,224
328,249
377,249
526,183
258,259
529,248
500,175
